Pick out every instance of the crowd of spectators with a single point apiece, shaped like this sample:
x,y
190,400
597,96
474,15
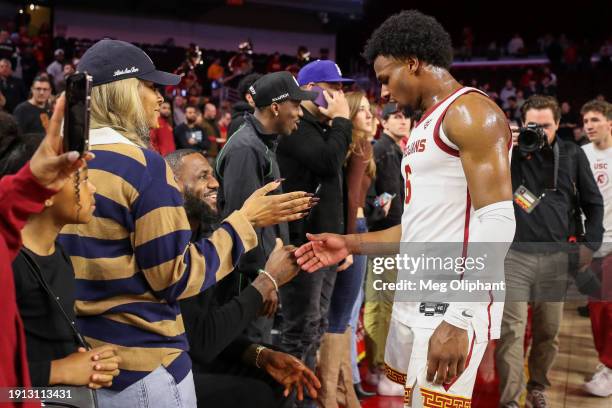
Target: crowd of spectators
x,y
562,52
346,151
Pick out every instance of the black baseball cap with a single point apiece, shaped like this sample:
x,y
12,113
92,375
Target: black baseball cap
x,y
391,108
113,60
278,87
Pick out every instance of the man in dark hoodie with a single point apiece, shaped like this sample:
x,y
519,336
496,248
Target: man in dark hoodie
x,y
246,105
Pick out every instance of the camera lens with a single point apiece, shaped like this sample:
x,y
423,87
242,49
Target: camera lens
x,y
528,141
531,139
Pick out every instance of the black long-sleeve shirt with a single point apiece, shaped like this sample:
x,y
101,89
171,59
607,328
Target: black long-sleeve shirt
x,y
48,334
214,330
183,133
550,222
314,154
388,158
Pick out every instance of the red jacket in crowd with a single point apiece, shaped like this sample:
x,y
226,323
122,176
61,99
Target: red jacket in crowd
x,y
162,138
20,196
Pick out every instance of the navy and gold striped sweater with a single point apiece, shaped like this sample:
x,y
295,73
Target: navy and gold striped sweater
x,y
133,261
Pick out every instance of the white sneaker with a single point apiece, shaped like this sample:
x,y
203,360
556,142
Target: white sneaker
x,y
388,388
601,383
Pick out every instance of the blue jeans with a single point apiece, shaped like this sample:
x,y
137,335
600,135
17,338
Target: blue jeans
x,y
158,389
354,323
346,290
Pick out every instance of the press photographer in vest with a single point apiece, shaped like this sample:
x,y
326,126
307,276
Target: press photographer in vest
x,y
551,179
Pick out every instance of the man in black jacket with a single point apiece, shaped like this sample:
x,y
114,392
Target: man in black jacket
x,y
388,157
12,88
244,373
33,115
189,135
246,105
549,184
311,160
248,162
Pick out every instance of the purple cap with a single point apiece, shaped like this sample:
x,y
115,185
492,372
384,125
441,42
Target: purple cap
x,y
321,71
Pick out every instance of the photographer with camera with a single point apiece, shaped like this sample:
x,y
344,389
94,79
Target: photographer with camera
x,y
550,179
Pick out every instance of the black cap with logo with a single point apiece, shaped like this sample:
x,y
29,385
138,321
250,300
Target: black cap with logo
x,y
113,60
278,87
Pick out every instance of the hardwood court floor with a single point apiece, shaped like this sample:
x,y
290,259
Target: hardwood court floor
x,y
577,359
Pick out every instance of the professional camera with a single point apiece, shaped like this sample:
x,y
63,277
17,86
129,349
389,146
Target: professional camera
x,y
531,138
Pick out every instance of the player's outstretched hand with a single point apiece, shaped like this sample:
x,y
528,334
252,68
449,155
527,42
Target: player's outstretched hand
x,y
322,250
447,353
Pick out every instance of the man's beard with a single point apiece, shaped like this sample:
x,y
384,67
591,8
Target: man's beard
x,y
201,212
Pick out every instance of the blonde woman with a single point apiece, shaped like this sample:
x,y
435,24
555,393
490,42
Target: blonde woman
x,y
335,362
133,261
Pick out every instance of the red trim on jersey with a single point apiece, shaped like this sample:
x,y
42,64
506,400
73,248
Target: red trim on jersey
x,y
509,141
467,362
441,143
433,108
489,315
466,226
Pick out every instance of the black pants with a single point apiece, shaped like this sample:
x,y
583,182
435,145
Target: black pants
x,y
241,386
306,302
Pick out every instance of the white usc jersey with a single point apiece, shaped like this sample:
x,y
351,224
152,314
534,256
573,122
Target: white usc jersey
x,y
437,205
601,166
437,208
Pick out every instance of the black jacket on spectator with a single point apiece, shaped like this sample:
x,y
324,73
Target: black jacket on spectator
x,y
182,133
313,155
388,157
238,111
48,335
29,118
214,330
551,221
14,91
246,163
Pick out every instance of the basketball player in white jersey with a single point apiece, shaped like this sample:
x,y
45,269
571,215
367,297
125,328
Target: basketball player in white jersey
x,y
458,189
597,122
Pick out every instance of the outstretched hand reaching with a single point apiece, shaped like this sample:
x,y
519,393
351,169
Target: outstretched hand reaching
x,y
322,250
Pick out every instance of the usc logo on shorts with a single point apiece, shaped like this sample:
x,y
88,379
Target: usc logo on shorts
x,y
433,399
